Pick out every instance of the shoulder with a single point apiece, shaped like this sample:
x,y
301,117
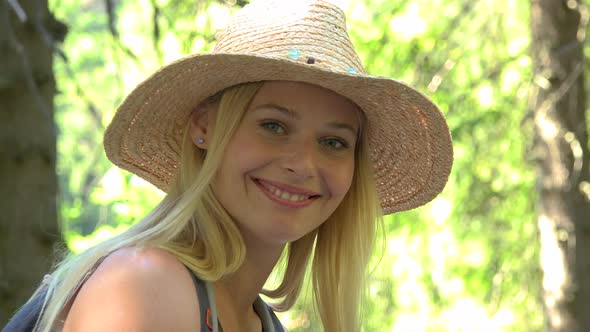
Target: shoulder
x,y
136,290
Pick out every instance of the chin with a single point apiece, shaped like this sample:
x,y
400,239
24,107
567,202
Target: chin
x,y
284,236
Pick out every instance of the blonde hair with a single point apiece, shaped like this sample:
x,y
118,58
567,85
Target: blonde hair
x,y
213,246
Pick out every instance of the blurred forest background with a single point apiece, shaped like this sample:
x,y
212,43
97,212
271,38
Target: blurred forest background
x,y
501,249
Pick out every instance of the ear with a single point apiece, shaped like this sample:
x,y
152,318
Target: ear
x,y
201,126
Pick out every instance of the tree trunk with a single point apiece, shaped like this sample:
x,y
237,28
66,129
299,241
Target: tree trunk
x,y
28,182
561,148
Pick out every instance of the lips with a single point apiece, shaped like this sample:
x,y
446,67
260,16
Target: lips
x,y
286,195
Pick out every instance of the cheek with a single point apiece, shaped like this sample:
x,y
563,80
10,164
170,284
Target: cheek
x,y
228,184
244,157
241,156
340,179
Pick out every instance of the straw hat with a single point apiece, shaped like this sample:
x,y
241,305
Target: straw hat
x,y
303,40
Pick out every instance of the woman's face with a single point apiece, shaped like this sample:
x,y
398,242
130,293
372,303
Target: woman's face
x,y
290,162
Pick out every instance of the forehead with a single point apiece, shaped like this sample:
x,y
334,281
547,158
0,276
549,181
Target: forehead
x,y
305,97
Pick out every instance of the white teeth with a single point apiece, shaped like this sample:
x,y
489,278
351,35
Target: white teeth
x,y
283,194
297,198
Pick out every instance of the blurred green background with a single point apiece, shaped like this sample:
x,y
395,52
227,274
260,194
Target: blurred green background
x,y
468,261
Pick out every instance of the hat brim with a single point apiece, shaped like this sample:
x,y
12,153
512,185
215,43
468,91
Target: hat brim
x,y
409,139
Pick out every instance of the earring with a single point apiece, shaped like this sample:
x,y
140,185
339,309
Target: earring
x,y
200,140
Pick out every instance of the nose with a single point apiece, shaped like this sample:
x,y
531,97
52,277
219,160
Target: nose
x,y
299,159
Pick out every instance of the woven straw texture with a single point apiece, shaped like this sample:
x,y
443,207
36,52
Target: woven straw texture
x,y
409,139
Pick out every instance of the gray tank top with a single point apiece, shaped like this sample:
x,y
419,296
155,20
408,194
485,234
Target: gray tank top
x,y
25,318
209,321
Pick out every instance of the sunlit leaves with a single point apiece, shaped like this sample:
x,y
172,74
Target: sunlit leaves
x,y
78,243
466,262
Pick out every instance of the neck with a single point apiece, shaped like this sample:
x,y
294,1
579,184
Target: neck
x,y
236,293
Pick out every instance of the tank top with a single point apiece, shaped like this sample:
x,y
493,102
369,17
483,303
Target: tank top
x,y
208,310
25,318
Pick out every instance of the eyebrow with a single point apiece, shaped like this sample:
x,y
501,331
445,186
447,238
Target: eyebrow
x,y
292,114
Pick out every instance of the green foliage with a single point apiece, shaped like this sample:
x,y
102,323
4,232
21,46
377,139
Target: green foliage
x,y
468,261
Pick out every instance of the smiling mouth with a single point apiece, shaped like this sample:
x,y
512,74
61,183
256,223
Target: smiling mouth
x,y
284,196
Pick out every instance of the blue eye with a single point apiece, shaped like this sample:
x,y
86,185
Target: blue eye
x,y
335,143
274,127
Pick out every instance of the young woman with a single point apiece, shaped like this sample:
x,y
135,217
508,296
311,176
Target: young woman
x,y
277,143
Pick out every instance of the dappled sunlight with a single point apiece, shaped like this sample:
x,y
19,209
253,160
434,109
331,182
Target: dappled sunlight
x,y
485,96
511,79
112,186
85,44
78,243
294,319
468,315
412,322
548,128
172,46
464,262
552,259
585,189
410,24
219,15
440,210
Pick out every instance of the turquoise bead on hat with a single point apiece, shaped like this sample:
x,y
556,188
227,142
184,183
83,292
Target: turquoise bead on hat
x,y
294,54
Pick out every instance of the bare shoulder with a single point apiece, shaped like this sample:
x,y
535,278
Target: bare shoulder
x,y
136,290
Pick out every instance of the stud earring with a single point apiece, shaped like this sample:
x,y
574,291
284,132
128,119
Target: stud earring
x,y
200,140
